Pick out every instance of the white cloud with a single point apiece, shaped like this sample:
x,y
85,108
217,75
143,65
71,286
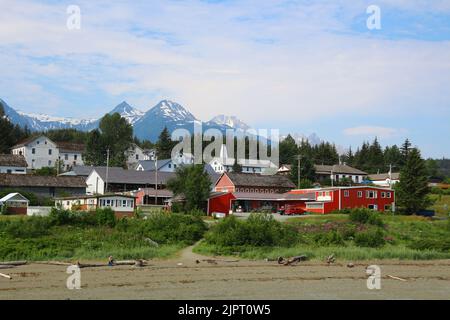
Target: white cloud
x,y
205,57
374,131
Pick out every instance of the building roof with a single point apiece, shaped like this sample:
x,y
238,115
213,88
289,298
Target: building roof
x,y
151,192
12,160
258,180
26,141
119,175
28,180
338,169
70,147
149,165
84,171
11,196
384,176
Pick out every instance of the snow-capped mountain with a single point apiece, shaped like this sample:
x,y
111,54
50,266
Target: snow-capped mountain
x,y
230,121
147,125
128,112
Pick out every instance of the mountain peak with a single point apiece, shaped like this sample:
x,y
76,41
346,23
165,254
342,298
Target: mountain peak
x,y
230,121
171,110
127,112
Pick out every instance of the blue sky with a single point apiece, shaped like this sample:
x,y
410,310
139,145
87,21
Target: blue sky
x,y
299,66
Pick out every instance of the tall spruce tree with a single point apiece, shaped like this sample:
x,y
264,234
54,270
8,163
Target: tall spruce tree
x,y
164,145
288,150
412,190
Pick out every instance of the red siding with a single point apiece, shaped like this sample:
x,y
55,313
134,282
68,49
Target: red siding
x,y
225,184
220,203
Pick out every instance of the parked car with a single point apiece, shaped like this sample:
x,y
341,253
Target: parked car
x,y
291,209
294,209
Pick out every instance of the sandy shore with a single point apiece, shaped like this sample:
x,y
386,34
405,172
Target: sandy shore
x,y
231,280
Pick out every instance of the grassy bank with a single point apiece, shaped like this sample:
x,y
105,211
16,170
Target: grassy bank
x,y
441,205
95,236
361,236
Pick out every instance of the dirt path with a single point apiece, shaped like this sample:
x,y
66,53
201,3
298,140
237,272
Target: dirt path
x,y
231,280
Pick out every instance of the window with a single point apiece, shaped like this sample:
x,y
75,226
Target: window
x,y
137,157
383,194
356,178
124,203
33,151
174,166
45,141
360,194
66,157
371,206
387,207
170,165
371,194
20,152
37,142
75,157
346,193
50,152
388,195
9,171
49,163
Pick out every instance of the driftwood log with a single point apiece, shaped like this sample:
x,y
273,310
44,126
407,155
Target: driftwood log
x,y
5,276
5,266
13,263
292,260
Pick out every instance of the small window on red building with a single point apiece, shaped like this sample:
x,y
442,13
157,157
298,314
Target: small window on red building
x,y
360,194
346,193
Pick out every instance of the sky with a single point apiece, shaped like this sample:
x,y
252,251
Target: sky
x,y
298,66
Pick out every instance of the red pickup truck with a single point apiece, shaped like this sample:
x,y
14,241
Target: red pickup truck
x,y
291,209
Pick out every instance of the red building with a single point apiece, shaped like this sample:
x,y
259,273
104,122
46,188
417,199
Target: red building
x,y
322,201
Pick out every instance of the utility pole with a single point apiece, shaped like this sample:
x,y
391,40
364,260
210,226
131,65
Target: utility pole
x,y
390,176
156,179
332,178
107,170
298,170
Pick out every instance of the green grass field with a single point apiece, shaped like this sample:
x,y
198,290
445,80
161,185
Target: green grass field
x,y
442,205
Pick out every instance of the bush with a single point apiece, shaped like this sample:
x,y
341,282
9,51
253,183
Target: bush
x,y
366,216
167,228
31,227
258,230
431,244
105,217
373,238
60,217
329,239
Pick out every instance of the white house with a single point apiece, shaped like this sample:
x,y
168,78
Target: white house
x,y
122,205
224,163
339,171
12,163
165,165
136,154
384,179
40,151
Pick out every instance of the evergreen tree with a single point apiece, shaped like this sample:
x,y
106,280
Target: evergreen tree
x,y
307,171
288,150
412,190
325,153
392,156
95,154
375,161
349,158
164,145
404,150
10,134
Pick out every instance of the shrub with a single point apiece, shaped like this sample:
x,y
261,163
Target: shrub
x,y
105,217
258,230
372,238
31,227
60,217
330,238
431,244
167,228
366,216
